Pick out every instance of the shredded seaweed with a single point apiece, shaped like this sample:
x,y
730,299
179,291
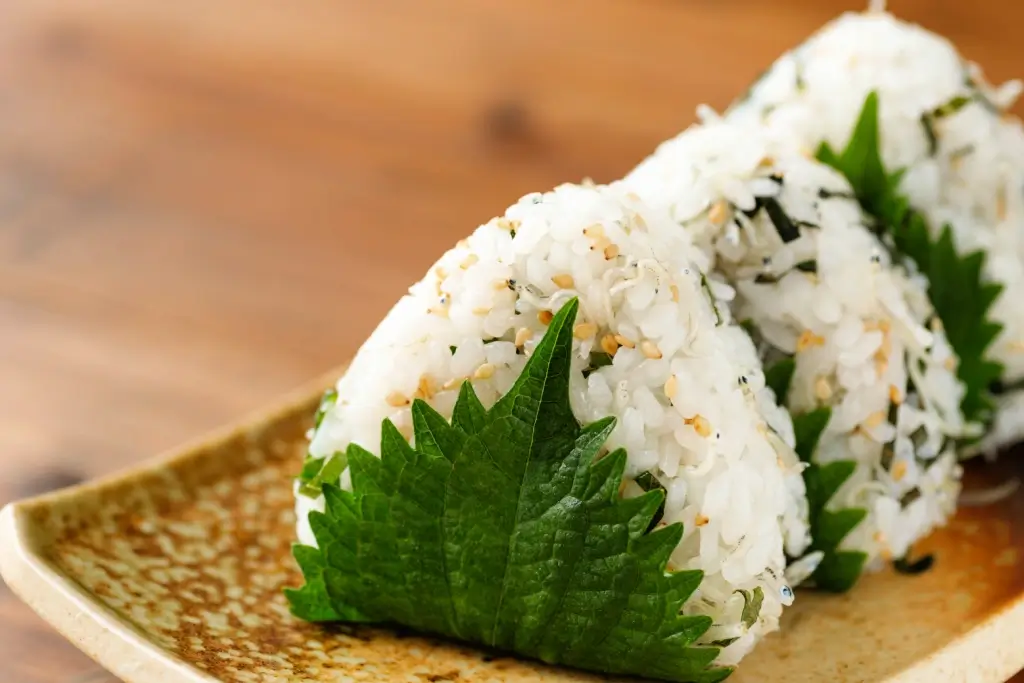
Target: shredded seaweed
x,y
912,568
929,118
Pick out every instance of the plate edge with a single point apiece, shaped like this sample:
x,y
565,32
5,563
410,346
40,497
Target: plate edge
x,y
87,625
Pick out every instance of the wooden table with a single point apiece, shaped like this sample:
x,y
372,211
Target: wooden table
x,y
205,202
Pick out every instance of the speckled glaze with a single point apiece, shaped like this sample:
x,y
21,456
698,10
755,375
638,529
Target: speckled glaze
x,y
173,573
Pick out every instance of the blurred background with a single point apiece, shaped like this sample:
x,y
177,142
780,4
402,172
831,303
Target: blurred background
x,y
204,203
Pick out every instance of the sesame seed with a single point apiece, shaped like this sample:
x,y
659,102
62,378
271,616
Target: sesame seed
x,y
609,345
701,425
766,162
485,371
468,261
584,330
545,317
936,324
822,389
650,349
671,386
426,388
481,310
899,470
639,222
564,281
633,196
895,395
1001,204
441,311
719,212
675,292
874,419
397,399
440,272
808,339
611,252
881,366
523,336
623,341
452,383
595,230
700,520
600,243
462,244
507,224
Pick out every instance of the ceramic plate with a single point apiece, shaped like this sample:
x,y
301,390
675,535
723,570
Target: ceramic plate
x,y
173,573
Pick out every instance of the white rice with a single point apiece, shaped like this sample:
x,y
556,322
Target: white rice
x,y
855,327
971,176
686,385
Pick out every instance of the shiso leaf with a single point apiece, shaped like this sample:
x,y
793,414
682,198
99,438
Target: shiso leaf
x,y
504,528
328,471
961,299
752,601
839,569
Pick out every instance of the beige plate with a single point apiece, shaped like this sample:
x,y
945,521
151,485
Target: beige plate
x,y
173,573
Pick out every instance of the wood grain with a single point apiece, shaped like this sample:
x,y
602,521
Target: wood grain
x,y
204,203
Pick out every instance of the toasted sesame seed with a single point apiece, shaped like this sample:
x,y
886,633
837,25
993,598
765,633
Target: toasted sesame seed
x,y
936,324
485,371
545,317
633,196
441,311
700,520
584,330
609,345
453,383
481,310
468,261
507,224
639,222
523,336
949,363
822,389
701,425
671,386
881,366
808,339
595,230
878,537
623,341
564,281
610,252
650,349
1001,203
396,399
426,387
766,162
440,272
895,395
500,285
874,419
675,292
899,470
719,212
